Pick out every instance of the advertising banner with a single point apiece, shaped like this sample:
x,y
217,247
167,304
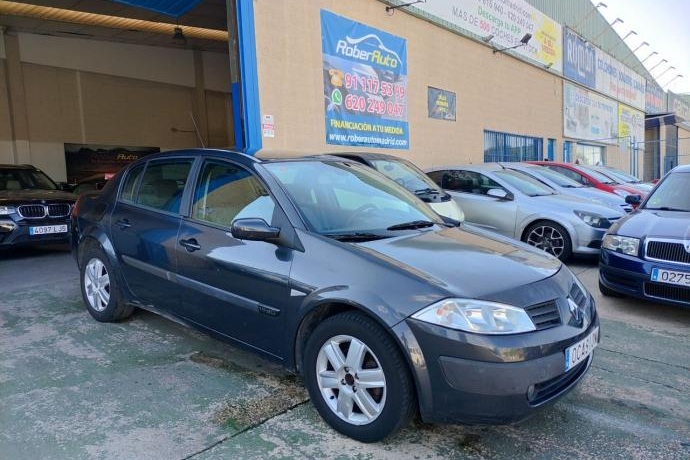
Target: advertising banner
x,y
655,102
589,116
630,124
508,21
616,80
85,160
678,105
365,84
441,104
579,59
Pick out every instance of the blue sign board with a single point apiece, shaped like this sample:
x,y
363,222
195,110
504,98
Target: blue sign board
x,y
579,59
365,84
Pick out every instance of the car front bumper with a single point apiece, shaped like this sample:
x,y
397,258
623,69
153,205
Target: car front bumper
x,y
588,239
630,275
479,379
18,233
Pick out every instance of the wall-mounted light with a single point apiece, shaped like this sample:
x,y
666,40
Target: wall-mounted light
x,y
632,32
672,79
178,37
659,76
657,65
523,41
582,21
548,65
488,38
610,25
634,51
650,55
391,9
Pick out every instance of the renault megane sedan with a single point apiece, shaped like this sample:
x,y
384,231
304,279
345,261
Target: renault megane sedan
x,y
343,276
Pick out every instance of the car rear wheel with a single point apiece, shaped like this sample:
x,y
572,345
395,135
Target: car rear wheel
x,y
357,378
550,237
99,287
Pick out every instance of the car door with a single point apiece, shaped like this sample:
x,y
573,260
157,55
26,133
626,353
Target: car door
x,y
469,189
237,288
144,226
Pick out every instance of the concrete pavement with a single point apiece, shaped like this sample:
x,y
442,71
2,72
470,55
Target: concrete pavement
x,y
148,388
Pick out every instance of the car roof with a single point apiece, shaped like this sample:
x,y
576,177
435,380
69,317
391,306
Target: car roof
x,y
479,167
682,168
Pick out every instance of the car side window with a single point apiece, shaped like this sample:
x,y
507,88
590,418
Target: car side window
x,y
129,187
163,183
226,192
437,176
569,173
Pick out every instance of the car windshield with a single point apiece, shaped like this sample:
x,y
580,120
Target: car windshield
x,y
345,199
25,179
625,177
604,179
671,194
555,177
524,183
407,175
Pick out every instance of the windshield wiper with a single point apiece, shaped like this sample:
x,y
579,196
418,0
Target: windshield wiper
x,y
668,208
356,237
423,191
412,225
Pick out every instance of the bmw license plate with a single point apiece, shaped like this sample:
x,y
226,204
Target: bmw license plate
x,y
46,229
671,277
577,353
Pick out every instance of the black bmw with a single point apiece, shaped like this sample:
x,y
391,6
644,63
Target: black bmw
x,y
345,277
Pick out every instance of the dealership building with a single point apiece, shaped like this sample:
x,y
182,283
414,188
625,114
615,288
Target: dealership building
x,y
89,85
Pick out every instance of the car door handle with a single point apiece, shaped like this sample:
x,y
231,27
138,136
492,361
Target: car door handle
x,y
123,223
190,245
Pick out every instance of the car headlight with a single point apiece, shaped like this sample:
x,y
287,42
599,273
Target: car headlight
x,y
7,210
593,220
624,244
477,316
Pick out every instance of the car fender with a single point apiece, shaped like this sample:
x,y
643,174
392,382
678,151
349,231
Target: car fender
x,y
526,221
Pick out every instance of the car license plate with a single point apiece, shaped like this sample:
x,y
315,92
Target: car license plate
x,y
45,229
577,353
670,277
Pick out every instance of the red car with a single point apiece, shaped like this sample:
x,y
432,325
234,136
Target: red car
x,y
592,178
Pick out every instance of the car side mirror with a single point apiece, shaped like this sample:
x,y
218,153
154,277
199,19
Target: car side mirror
x,y
66,187
253,229
633,199
500,194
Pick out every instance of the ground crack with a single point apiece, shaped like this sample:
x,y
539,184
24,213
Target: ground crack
x,y
686,368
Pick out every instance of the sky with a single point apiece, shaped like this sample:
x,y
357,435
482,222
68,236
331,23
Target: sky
x,y
665,25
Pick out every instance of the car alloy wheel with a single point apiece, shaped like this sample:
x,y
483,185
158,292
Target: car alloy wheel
x,y
550,237
97,284
351,380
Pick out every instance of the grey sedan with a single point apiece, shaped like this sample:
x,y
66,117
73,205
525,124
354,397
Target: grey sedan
x,y
514,204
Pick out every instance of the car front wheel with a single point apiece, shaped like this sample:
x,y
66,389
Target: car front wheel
x,y
357,378
99,287
550,237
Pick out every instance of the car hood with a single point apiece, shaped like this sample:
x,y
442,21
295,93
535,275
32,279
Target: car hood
x,y
659,224
575,203
34,196
464,261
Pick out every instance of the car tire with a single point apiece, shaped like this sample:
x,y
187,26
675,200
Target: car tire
x,y
99,287
369,408
550,237
608,292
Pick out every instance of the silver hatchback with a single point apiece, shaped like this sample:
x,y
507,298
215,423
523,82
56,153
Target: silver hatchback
x,y
516,205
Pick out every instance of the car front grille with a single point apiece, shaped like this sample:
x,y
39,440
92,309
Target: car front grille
x,y
544,315
667,292
548,389
668,251
39,211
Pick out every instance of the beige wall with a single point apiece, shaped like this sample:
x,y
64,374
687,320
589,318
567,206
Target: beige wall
x,y
494,91
124,103
683,146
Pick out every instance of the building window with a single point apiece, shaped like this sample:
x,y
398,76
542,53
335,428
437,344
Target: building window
x,y
512,147
590,154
